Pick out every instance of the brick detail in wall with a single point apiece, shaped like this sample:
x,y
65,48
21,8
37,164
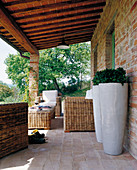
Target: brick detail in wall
x,y
33,78
124,15
108,51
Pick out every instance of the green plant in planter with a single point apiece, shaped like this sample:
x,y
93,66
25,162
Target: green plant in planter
x,y
110,76
96,79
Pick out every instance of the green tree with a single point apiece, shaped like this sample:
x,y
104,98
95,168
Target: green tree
x,y
55,64
18,71
5,91
82,55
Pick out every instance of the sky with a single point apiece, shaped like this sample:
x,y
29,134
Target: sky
x,y
5,50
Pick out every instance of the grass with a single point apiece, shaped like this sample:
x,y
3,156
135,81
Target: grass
x,y
78,93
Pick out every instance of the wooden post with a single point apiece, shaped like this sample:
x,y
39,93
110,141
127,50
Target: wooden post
x,y
33,78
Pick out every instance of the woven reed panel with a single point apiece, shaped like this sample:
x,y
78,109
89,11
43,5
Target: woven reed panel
x,y
13,127
58,106
40,119
78,115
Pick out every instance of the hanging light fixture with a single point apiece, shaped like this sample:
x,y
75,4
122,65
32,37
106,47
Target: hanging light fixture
x,y
63,45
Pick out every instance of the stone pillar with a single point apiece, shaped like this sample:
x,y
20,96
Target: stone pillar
x,y
92,67
33,78
93,63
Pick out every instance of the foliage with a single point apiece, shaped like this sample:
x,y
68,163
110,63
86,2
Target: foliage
x,y
13,99
78,93
57,64
73,85
97,78
17,70
110,76
54,66
5,91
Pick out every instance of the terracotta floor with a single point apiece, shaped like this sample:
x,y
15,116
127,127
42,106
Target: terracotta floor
x,y
67,151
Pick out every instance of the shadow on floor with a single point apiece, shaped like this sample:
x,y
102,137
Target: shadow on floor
x,y
57,123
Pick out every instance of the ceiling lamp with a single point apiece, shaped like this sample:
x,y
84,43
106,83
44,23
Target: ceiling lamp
x,y
63,45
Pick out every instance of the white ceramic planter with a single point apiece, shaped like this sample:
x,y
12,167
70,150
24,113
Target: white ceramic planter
x,y
113,100
89,94
97,113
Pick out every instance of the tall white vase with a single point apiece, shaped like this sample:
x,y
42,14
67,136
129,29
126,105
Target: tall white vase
x,y
113,100
97,113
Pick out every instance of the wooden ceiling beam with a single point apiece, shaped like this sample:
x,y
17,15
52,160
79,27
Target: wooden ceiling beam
x,y
9,24
56,31
55,45
79,41
68,31
72,34
51,6
66,40
32,33
27,2
55,24
63,11
66,17
10,43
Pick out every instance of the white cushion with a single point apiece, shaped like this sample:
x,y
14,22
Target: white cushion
x,y
52,104
49,95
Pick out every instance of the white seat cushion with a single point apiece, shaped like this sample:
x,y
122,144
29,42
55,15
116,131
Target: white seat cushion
x,y
49,95
52,104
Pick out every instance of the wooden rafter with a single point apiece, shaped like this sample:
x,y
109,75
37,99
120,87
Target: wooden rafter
x,y
32,25
91,6
62,17
60,36
63,27
56,23
61,30
7,22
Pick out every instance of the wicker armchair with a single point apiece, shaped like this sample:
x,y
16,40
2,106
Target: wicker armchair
x,y
51,98
78,114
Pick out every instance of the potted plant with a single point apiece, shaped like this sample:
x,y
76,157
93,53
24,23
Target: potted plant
x,y
113,91
96,107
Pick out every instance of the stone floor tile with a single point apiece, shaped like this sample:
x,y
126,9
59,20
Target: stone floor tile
x,y
66,164
123,165
95,165
133,164
98,146
67,151
109,164
80,165
79,157
103,155
48,165
91,155
54,156
65,167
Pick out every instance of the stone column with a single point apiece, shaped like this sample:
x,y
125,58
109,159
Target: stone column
x,y
33,78
93,63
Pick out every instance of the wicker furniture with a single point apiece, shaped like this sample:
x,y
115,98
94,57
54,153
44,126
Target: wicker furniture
x,y
13,127
50,98
40,119
58,106
78,115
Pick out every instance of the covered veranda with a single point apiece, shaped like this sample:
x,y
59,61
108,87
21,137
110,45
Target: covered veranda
x,y
32,25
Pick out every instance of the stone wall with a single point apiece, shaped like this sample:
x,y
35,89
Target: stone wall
x,y
33,78
120,16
